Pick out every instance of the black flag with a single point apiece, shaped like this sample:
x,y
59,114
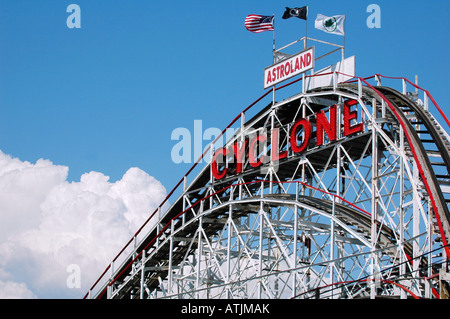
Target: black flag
x,y
301,13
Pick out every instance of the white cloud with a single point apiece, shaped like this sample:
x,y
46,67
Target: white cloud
x,y
22,187
14,290
48,224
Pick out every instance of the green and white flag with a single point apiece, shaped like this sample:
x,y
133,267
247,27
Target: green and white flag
x,y
333,24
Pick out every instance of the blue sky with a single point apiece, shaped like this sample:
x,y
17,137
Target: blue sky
x,y
79,106
107,96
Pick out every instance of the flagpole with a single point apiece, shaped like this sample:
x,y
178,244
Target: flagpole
x,y
273,49
343,49
306,28
304,47
273,38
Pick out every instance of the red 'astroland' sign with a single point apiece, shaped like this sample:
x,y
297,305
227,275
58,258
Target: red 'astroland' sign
x,y
287,68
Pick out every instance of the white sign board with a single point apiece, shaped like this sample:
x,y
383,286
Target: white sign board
x,y
289,67
345,69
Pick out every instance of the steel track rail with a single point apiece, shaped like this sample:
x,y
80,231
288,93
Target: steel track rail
x,y
423,164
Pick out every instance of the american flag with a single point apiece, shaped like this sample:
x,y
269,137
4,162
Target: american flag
x,y
258,23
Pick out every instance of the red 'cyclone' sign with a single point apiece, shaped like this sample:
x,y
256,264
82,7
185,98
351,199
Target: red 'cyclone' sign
x,y
240,152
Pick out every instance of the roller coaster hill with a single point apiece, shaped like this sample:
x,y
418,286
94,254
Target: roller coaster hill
x,y
338,190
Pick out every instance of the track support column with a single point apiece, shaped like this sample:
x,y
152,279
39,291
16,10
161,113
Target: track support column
x,y
374,208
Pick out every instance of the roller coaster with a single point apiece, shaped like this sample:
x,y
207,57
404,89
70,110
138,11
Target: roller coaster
x,y
339,191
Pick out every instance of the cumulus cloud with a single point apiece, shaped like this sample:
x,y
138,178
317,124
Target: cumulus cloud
x,y
50,227
14,290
